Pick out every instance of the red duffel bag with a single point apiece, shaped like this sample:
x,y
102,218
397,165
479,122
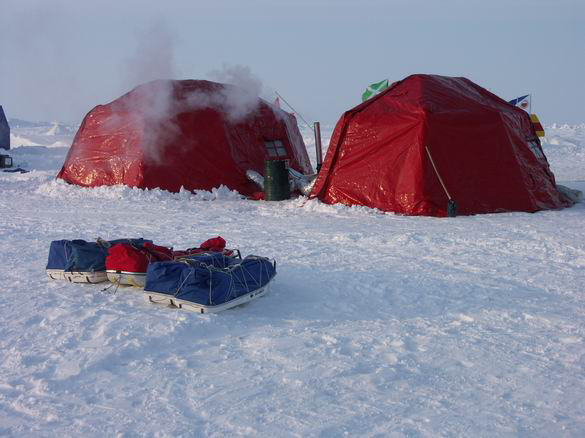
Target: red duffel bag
x,y
127,258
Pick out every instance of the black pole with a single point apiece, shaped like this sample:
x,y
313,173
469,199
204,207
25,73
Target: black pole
x,y
318,148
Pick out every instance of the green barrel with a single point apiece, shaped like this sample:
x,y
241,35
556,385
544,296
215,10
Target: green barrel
x,y
276,186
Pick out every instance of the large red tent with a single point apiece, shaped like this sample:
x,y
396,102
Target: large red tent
x,y
190,133
427,138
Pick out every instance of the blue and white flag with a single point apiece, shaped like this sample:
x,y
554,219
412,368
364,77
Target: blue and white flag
x,y
521,102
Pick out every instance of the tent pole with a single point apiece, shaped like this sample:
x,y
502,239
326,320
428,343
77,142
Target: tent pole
x,y
451,206
318,149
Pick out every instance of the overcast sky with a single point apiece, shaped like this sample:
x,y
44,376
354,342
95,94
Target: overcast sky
x,y
58,59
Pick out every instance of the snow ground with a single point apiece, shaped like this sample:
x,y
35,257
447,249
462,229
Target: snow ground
x,y
376,324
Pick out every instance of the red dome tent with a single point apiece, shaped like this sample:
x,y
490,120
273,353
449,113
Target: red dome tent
x,y
383,153
191,134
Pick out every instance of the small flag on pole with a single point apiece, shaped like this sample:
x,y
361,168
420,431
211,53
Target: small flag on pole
x,y
522,102
537,125
374,89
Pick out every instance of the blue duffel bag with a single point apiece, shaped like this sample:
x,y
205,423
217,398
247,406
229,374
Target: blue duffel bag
x,y
210,279
80,256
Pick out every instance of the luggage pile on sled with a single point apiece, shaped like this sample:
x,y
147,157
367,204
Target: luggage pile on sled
x,y
127,263
209,282
78,261
208,278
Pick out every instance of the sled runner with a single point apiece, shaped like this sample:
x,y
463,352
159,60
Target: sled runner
x,y
209,283
77,277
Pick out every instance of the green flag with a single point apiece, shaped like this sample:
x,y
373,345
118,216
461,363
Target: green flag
x,y
374,89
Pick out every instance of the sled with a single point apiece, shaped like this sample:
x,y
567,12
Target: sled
x,y
127,264
78,261
210,283
160,298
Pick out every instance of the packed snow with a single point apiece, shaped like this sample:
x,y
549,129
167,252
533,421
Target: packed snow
x,y
376,324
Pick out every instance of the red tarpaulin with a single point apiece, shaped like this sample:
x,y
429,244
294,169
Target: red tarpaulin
x,y
194,134
485,150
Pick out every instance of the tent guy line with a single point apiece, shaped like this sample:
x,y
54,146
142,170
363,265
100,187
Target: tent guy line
x,y
294,110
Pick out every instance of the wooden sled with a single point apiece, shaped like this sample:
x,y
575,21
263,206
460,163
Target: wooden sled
x,y
171,300
123,278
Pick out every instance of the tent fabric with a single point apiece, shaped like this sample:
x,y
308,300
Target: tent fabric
x,y
171,134
4,131
210,279
485,150
82,256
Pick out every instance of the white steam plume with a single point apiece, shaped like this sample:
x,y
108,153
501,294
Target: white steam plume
x,y
154,57
153,105
239,101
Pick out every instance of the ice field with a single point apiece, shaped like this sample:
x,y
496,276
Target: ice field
x,y
376,325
